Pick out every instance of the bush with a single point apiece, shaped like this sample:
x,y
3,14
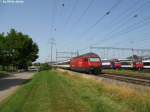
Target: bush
x,y
45,66
3,74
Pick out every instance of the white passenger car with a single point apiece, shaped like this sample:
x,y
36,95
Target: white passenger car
x,y
126,63
146,64
106,63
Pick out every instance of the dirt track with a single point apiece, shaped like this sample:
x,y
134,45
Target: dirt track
x,y
8,85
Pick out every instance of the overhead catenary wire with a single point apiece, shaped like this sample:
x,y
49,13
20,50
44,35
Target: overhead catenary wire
x,y
139,42
71,12
135,26
130,29
53,28
107,13
120,18
125,32
84,13
62,5
101,18
96,43
112,36
131,15
53,18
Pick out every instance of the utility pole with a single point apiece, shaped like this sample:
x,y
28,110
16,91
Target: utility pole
x,y
77,53
56,55
132,50
52,42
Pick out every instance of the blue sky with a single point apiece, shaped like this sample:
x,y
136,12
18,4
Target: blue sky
x,y
127,25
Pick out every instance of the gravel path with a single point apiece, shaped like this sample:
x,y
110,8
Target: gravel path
x,y
8,85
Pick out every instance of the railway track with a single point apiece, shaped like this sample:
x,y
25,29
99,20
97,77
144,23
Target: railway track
x,y
133,80
125,78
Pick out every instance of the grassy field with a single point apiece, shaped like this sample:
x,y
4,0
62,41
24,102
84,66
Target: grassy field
x,y
53,91
3,74
127,72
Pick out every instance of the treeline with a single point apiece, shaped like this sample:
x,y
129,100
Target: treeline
x,y
17,50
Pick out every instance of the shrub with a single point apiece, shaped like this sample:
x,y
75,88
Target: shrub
x,y
45,66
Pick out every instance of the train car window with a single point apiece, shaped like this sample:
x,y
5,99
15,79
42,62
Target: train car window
x,y
105,61
94,59
147,64
125,63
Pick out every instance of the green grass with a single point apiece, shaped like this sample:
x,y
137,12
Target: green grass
x,y
53,91
128,72
3,74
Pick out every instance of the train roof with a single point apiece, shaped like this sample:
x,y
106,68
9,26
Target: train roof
x,y
125,59
87,54
105,59
146,60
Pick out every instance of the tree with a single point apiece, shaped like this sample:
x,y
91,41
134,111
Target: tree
x,y
1,48
18,49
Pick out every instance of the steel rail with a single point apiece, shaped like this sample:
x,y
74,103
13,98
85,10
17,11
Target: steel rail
x,y
133,80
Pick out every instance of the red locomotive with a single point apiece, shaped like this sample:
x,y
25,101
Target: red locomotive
x,y
90,63
115,63
138,64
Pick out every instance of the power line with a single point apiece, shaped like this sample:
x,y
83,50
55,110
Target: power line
x,y
102,17
128,51
123,13
138,41
132,16
52,42
71,13
84,12
117,20
53,20
65,55
118,48
52,28
134,26
62,5
124,32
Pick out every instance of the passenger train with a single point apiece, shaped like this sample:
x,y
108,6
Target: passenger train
x,y
135,64
63,64
126,63
92,63
106,64
115,63
89,63
146,64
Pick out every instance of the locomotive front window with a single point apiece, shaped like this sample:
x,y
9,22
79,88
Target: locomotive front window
x,y
94,60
